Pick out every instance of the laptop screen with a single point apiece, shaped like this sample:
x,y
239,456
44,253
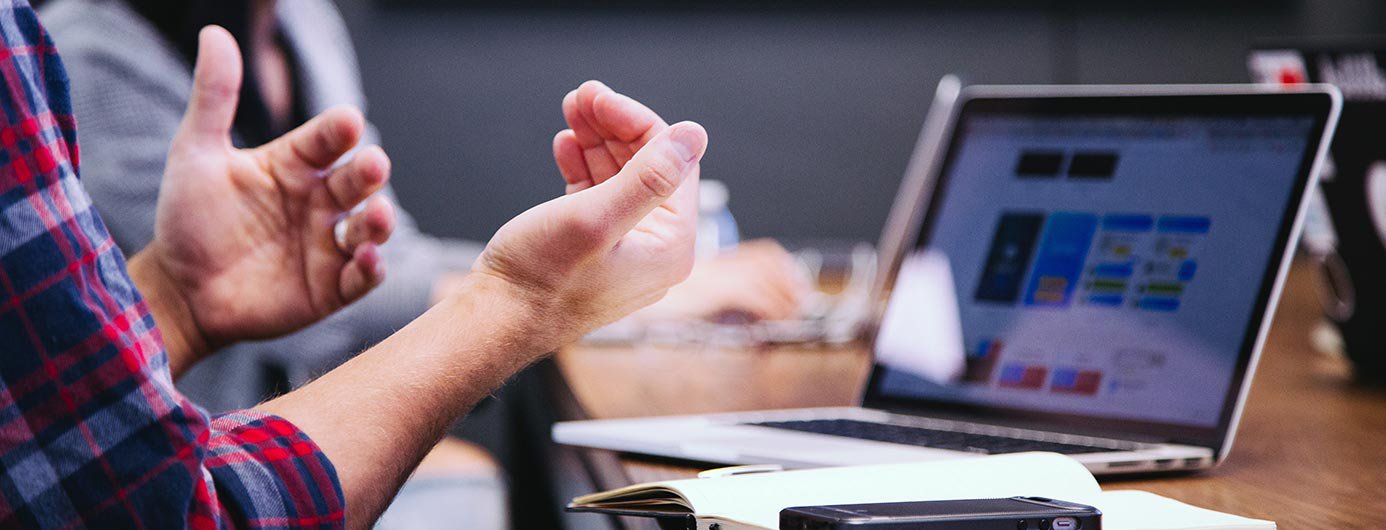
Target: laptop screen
x,y
1096,261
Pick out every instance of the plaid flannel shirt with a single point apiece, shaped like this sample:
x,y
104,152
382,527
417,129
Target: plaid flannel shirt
x,y
92,431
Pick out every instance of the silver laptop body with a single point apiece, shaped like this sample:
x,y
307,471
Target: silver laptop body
x,y
1085,270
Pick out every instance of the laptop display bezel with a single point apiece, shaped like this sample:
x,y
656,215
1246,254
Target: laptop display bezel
x,y
1316,102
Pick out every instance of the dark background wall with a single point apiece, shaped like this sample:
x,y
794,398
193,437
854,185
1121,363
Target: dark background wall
x,y
812,111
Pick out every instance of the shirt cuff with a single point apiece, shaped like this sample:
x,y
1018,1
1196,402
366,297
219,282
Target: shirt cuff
x,y
268,473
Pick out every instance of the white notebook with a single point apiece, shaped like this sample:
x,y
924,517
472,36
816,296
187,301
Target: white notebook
x,y
755,501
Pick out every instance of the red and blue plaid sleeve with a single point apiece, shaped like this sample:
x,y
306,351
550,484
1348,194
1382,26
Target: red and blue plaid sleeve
x,y
92,432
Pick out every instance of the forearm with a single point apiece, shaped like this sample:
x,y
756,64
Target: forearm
x,y
377,415
184,343
457,256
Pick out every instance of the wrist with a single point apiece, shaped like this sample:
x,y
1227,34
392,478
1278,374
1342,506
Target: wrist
x,y
446,285
183,339
513,314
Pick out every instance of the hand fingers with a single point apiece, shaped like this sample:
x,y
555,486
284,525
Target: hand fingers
x,y
772,278
629,123
316,145
626,119
600,164
651,178
782,273
770,295
586,96
216,88
373,224
785,303
567,153
360,178
363,272
761,304
630,119
774,309
609,126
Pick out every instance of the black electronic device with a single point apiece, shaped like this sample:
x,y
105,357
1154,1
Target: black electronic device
x,y
1015,513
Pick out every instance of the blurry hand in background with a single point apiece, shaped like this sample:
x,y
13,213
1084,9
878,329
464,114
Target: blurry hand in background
x,y
758,280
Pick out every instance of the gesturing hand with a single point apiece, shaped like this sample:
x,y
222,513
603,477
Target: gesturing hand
x,y
243,242
624,232
758,279
605,129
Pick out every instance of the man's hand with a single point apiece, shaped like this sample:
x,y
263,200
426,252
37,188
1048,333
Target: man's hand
x,y
758,280
605,129
243,243
624,232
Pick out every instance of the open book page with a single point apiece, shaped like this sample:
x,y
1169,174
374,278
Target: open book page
x,y
655,496
756,500
1139,510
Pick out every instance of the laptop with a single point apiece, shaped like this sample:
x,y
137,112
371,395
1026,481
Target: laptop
x,y
1091,271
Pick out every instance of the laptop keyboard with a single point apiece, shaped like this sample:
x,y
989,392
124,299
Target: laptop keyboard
x,y
932,438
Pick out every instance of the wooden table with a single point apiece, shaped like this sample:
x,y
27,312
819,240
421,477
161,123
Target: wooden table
x,y
1310,453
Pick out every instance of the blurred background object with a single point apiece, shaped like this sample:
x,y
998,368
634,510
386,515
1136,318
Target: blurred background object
x,y
834,311
828,96
717,229
1345,233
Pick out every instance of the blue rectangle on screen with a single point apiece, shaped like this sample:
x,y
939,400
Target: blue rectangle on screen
x,y
1012,374
1062,251
1187,269
1159,303
1185,224
1118,222
1064,377
1113,270
983,348
1003,274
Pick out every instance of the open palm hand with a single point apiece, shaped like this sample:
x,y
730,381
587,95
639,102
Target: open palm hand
x,y
246,237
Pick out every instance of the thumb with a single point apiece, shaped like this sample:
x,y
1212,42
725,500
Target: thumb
x,y
216,88
649,179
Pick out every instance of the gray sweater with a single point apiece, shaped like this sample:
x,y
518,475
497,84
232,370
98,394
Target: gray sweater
x,y
129,89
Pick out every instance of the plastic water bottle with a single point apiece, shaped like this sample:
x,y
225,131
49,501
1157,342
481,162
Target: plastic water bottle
x,y
717,231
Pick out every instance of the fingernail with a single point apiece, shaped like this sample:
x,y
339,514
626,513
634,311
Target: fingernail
x,y
688,139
